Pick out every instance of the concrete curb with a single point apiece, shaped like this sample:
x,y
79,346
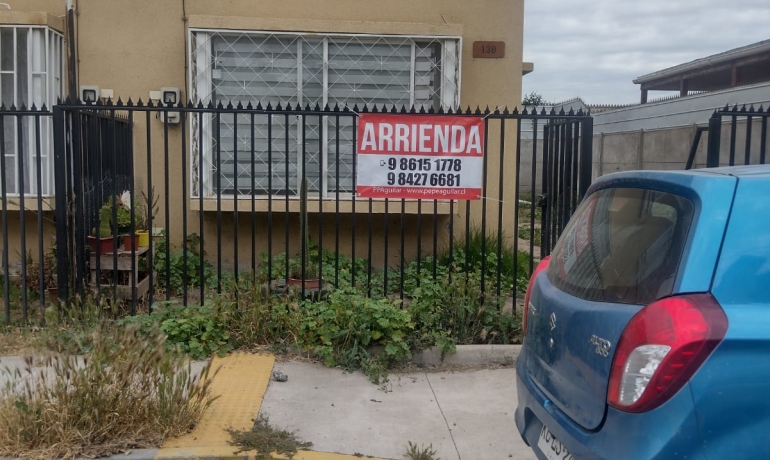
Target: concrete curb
x,y
469,355
137,454
465,355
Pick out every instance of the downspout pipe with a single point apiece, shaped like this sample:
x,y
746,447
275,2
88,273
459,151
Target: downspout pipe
x,y
72,64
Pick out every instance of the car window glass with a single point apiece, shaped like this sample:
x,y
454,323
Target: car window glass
x,y
622,245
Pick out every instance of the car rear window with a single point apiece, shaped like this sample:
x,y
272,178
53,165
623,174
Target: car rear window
x,y
622,245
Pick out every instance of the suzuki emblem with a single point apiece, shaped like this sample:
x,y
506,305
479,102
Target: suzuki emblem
x,y
553,321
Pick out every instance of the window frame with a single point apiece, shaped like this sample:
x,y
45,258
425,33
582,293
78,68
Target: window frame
x,y
45,72
202,168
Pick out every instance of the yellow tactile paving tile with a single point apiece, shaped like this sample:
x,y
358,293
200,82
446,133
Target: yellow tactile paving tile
x,y
241,384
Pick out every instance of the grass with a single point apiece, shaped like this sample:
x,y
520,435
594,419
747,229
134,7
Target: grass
x,y
266,439
525,233
18,341
126,393
413,452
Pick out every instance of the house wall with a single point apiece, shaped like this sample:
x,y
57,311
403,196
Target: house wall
x,y
146,49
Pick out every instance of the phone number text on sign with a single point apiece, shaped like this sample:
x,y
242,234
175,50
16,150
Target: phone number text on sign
x,y
420,157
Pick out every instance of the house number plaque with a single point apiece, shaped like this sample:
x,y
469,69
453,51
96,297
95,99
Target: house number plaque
x,y
488,49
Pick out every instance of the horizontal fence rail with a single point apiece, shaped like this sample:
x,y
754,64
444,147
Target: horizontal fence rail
x,y
181,203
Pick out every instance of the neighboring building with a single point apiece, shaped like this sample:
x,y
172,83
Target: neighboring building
x,y
658,134
742,66
343,52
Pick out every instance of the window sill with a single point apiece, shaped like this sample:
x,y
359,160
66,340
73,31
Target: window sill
x,y
30,203
329,206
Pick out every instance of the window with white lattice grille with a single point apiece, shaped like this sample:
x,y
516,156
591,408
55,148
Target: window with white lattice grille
x,y
309,70
31,69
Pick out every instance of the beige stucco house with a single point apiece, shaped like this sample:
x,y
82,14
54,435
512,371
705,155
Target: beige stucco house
x,y
294,51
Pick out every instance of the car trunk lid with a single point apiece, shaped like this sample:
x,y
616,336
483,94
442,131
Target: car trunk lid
x,y
571,345
620,252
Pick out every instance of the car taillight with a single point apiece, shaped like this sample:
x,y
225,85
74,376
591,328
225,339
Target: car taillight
x,y
540,267
661,348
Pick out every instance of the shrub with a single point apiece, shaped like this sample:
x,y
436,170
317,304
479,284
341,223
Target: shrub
x,y
254,318
458,313
127,392
475,252
341,330
181,272
195,330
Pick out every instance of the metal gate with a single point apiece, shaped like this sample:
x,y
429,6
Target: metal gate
x,y
566,172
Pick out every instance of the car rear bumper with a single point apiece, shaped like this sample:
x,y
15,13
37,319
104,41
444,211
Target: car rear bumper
x,y
670,431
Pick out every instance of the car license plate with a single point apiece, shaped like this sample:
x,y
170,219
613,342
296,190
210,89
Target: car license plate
x,y
551,447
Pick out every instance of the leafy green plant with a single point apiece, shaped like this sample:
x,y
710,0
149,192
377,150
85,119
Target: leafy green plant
x,y
127,392
342,329
179,269
197,331
349,270
447,314
479,252
525,234
266,439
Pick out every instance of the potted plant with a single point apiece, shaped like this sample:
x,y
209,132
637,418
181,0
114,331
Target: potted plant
x,y
148,211
312,280
119,208
103,241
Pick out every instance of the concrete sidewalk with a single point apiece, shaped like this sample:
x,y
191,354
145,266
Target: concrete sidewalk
x,y
464,415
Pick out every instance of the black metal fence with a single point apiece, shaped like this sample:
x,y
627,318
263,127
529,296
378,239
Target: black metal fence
x,y
28,255
736,136
232,195
566,174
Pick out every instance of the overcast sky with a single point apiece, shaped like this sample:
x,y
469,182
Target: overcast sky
x,y
594,48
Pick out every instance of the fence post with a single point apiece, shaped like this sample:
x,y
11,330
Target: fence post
x,y
61,213
715,137
586,156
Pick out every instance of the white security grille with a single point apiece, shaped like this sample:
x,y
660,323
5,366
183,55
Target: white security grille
x,y
31,69
309,70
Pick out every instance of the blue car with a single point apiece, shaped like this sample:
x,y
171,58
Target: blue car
x,y
647,330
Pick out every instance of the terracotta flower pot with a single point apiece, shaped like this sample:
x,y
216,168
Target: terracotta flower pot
x,y
130,242
104,245
53,294
309,284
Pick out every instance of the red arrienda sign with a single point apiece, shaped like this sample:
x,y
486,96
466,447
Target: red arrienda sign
x,y
420,157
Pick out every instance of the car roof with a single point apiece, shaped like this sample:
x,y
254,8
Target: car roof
x,y
740,171
754,171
